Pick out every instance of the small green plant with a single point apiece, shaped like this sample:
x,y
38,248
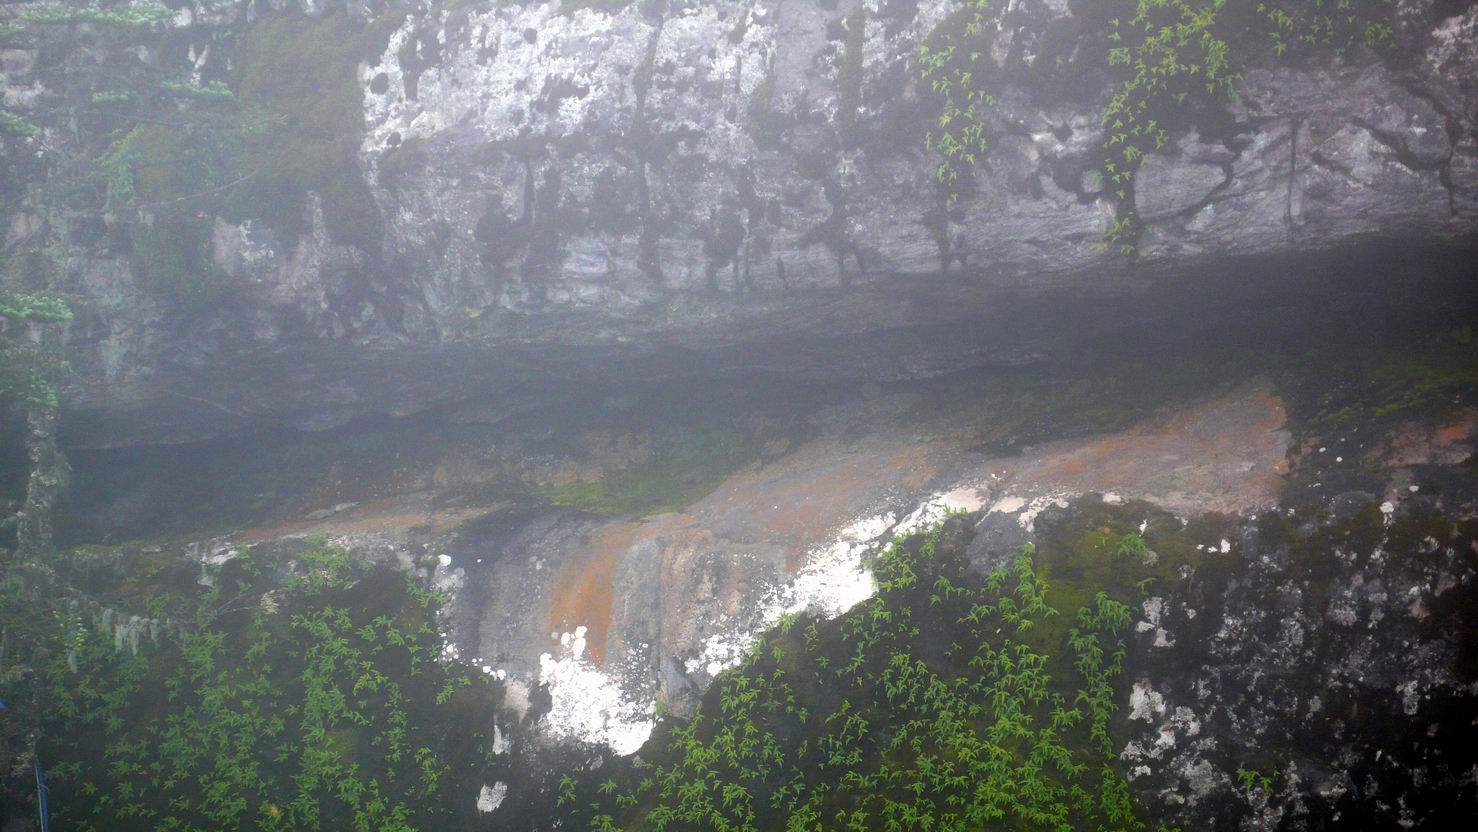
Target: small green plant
x,y
1255,780
1131,545
29,307
317,714
1171,57
135,13
16,126
212,91
29,368
953,63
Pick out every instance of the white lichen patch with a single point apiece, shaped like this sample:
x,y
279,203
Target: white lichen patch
x,y
834,579
1008,505
589,705
581,50
1029,509
1145,703
127,630
1154,608
491,797
1410,697
1185,721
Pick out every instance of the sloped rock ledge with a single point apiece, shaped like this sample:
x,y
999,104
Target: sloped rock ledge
x,y
892,331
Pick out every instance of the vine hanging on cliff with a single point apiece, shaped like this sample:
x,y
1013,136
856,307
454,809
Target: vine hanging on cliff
x,y
28,365
1169,49
950,61
1174,51
1167,54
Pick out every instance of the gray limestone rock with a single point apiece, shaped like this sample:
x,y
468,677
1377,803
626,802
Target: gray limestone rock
x,y
571,188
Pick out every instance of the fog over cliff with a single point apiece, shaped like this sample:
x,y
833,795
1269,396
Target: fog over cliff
x,y
738,414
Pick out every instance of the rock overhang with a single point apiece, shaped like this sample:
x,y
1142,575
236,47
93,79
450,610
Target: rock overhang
x,y
607,186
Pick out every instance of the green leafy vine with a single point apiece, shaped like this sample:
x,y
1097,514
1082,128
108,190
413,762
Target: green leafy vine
x,y
866,723
318,710
1167,54
951,62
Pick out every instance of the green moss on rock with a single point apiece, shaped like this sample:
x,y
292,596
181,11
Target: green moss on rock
x,y
171,260
301,691
671,481
169,175
303,120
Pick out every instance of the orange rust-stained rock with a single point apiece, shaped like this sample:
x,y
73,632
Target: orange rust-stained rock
x,y
1458,428
262,534
581,594
656,590
1226,454
717,557
1419,443
801,501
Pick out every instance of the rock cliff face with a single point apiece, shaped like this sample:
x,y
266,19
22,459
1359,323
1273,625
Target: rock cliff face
x,y
690,330
1301,657
562,189
1337,682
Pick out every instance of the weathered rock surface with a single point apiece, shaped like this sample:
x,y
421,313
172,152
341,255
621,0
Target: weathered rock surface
x,y
589,191
1322,642
615,614
1335,663
1313,460
659,606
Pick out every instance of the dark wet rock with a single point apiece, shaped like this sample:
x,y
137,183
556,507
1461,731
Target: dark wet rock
x,y
1333,657
1346,505
998,536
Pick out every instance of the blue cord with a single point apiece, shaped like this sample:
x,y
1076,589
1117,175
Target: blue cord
x,y
41,796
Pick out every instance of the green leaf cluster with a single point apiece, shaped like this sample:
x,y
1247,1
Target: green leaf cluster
x,y
212,91
28,368
946,702
1169,56
1255,780
321,708
32,307
130,13
1171,53
953,62
16,126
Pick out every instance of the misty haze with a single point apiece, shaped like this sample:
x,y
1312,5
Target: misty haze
x,y
738,415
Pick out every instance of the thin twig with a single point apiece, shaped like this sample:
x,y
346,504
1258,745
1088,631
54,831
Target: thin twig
x,y
216,405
